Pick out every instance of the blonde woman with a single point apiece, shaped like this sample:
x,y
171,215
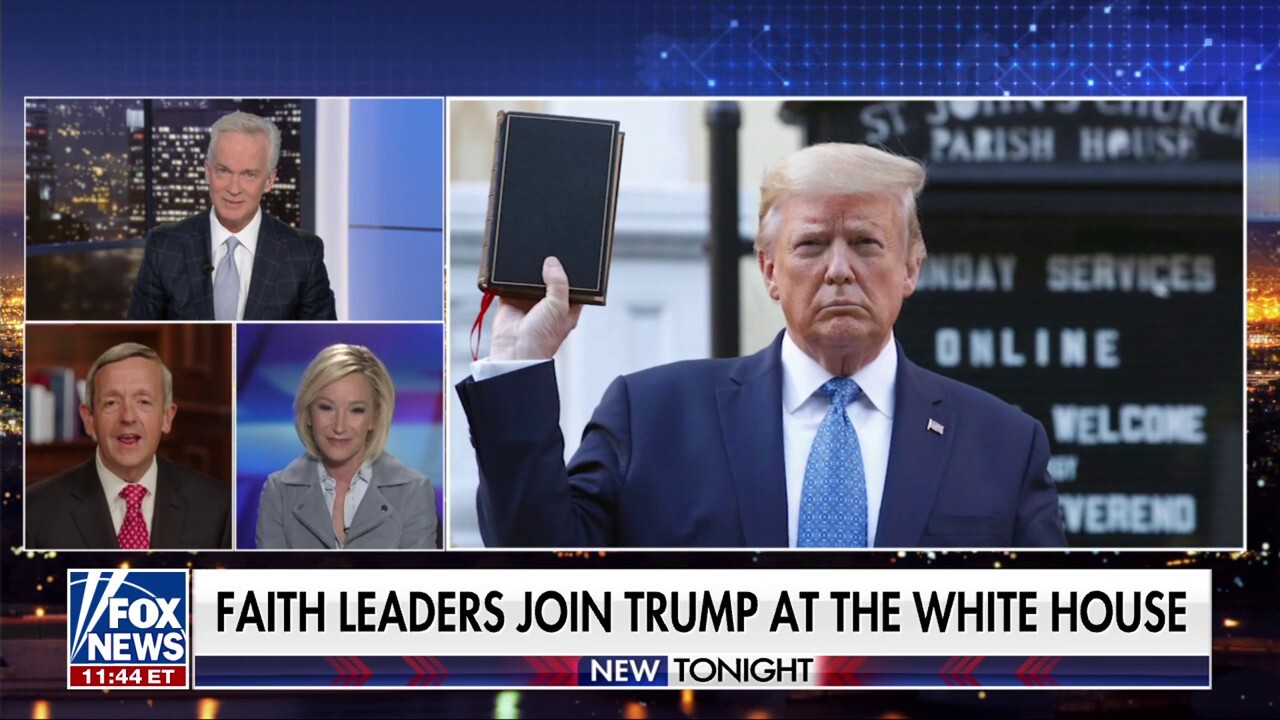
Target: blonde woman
x,y
346,491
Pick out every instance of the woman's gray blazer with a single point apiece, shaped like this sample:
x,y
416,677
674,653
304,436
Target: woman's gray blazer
x,y
397,511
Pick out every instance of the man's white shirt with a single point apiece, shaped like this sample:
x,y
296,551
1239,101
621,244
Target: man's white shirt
x,y
248,238
804,405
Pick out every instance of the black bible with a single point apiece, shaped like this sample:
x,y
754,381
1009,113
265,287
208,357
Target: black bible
x,y
553,191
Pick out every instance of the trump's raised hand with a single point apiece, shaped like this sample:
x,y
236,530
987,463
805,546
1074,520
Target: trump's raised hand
x,y
525,330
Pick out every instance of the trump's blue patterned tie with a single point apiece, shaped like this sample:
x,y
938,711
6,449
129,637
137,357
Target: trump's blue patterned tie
x,y
226,286
833,502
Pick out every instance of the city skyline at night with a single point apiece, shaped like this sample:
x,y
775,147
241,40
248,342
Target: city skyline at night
x,y
87,173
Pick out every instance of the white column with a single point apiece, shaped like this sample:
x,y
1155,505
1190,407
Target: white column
x,y
333,146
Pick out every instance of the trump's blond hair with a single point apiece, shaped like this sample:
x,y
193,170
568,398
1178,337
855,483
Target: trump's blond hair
x,y
841,169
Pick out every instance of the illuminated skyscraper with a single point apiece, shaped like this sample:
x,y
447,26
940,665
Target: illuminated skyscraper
x,y
136,120
39,165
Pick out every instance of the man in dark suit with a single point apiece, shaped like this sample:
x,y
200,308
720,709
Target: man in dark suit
x,y
125,497
830,437
234,262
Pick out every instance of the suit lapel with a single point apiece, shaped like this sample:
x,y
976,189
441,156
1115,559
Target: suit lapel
x,y
312,512
751,425
170,512
373,511
266,265
90,512
198,258
917,457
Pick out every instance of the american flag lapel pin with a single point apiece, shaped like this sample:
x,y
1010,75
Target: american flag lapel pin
x,y
935,426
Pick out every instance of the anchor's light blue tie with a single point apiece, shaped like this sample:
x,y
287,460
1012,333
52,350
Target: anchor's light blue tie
x,y
226,286
833,501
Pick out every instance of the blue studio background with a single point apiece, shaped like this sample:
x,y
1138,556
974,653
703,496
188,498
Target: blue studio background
x,y
395,240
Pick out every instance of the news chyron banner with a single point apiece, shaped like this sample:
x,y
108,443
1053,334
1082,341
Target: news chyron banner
x,y
701,628
1085,263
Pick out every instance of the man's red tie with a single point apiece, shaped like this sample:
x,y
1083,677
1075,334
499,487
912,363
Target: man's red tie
x,y
133,531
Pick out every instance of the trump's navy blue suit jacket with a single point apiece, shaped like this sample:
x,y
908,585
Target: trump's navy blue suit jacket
x,y
691,455
175,282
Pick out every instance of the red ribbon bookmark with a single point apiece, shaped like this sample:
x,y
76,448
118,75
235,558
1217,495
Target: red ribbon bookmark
x,y
477,329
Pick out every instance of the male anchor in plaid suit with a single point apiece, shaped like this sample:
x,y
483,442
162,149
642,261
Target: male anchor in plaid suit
x,y
235,262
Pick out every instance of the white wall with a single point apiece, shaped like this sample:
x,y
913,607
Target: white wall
x,y
331,160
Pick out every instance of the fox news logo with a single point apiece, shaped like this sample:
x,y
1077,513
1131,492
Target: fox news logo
x,y
127,628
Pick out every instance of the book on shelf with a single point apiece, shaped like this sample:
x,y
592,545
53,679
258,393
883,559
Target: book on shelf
x,y
53,405
41,411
